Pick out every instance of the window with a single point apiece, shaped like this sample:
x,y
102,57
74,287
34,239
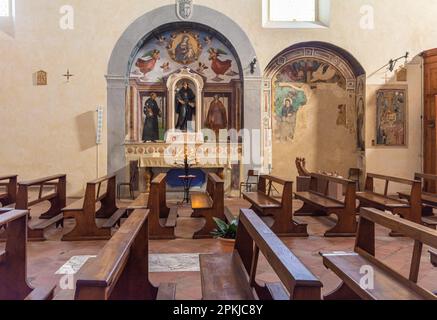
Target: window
x,y
296,13
293,10
5,10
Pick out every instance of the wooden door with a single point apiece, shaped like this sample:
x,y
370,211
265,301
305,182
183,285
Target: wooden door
x,y
430,115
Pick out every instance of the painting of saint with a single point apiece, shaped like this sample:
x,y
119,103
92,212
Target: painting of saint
x,y
391,117
185,107
151,114
184,48
216,119
361,144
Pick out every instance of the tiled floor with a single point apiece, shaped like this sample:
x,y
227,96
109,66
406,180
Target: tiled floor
x,y
45,258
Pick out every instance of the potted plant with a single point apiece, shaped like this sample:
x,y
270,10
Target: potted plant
x,y
226,233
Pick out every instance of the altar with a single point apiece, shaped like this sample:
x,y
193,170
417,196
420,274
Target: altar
x,y
185,107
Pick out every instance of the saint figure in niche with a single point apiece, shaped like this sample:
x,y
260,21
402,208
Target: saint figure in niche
x,y
151,113
185,107
216,118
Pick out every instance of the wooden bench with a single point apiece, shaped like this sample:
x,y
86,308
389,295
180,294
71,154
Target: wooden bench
x,y
410,209
10,195
121,269
233,276
209,205
85,211
281,210
162,219
388,284
346,224
57,198
14,284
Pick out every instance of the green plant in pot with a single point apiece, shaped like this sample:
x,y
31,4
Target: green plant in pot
x,y
225,231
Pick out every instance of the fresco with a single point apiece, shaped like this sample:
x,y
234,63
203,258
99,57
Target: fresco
x,y
169,51
391,120
292,88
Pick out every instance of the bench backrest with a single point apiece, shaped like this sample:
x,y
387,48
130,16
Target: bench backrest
x,y
107,198
58,196
13,261
425,179
349,187
10,182
266,186
121,270
365,242
253,237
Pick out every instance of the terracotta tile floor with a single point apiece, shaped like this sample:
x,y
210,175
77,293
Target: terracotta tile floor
x,y
45,258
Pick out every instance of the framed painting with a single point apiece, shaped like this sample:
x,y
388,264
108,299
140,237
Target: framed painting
x,y
391,117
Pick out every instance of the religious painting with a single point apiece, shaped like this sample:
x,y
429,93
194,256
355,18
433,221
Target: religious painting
x,y
184,47
342,115
216,111
203,52
153,115
311,71
361,144
391,121
288,100
185,106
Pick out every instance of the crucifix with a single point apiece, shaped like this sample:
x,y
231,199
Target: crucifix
x,y
68,75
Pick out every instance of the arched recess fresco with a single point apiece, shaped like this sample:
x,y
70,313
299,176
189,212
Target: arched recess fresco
x,y
314,100
124,54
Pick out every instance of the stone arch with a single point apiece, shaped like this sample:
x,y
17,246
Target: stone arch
x,y
128,45
337,59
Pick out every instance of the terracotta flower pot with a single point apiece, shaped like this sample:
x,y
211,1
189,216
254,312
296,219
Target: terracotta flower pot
x,y
227,244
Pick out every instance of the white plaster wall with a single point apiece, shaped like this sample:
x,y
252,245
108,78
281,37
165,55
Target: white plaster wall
x,y
45,130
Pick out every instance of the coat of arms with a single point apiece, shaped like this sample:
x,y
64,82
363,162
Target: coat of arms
x,y
184,9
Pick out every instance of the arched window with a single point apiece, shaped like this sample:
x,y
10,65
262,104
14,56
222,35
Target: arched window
x,y
7,16
296,13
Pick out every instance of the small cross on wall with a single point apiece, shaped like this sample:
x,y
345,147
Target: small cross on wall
x,y
68,75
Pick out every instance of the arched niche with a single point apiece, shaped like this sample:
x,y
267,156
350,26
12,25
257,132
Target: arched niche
x,y
172,85
131,41
298,74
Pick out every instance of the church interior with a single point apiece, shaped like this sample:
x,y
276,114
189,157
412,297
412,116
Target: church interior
x,y
218,150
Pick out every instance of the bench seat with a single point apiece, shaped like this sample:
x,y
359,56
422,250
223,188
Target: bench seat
x,y
430,221
201,201
115,218
318,200
382,200
228,281
261,200
172,218
347,266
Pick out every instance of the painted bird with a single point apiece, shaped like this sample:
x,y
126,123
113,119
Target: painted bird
x,y
218,66
201,68
148,61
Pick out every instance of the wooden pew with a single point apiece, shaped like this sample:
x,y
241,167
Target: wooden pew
x,y
57,199
388,283
209,205
429,200
9,197
121,269
14,284
85,212
162,219
265,204
233,276
346,224
410,209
